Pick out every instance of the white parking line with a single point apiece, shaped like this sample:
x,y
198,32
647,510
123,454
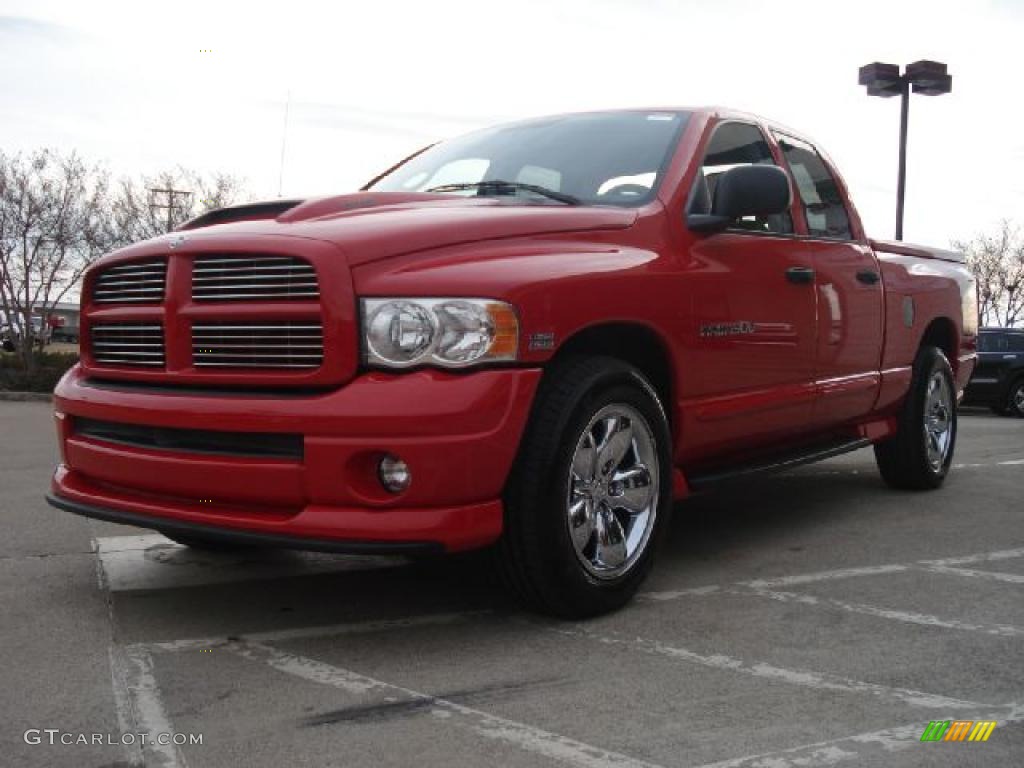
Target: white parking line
x,y
152,561
527,737
800,677
985,465
766,588
983,557
123,704
325,630
908,617
1006,578
863,746
148,707
809,578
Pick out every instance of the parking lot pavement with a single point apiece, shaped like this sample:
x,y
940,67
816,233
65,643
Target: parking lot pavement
x,y
815,618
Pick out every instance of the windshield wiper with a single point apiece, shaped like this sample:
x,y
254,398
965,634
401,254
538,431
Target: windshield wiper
x,y
498,186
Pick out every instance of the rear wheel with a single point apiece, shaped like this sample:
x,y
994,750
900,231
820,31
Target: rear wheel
x,y
918,457
590,496
1015,400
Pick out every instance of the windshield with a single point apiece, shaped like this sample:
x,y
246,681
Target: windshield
x,y
604,158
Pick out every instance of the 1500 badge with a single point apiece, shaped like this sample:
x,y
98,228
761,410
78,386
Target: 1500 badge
x,y
740,328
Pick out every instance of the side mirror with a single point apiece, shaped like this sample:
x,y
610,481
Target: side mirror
x,y
749,190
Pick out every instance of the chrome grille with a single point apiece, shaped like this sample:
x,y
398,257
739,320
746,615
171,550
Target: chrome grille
x,y
258,345
128,344
233,278
136,283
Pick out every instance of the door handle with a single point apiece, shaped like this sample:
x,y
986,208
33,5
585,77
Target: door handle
x,y
800,275
867,276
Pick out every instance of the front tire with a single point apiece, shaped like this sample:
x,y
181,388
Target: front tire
x,y
589,499
918,457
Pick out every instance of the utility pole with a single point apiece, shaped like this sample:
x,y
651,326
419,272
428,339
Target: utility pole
x,y
170,205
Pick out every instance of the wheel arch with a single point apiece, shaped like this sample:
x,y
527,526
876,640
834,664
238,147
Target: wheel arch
x,y
941,332
635,343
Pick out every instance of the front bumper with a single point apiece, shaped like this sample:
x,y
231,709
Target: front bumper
x,y
459,433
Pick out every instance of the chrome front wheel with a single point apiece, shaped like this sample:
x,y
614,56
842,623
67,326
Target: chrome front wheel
x,y
613,491
590,497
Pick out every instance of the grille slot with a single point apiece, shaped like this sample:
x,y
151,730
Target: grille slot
x,y
294,345
128,344
234,278
257,444
140,282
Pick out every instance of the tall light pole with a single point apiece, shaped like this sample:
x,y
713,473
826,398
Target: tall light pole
x,y
929,78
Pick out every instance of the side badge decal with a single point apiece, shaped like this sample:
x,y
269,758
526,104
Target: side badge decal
x,y
714,330
541,341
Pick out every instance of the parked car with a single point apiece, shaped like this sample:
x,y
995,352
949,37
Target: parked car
x,y
532,338
998,380
12,332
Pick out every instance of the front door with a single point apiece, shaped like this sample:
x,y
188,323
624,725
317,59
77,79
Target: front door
x,y
750,354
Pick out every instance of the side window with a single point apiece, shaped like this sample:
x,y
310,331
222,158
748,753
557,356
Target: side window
x,y
734,144
1015,342
993,342
819,193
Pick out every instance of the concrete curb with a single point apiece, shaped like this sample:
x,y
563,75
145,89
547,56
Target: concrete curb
x,y
26,397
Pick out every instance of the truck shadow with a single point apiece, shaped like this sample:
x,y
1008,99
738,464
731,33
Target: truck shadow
x,y
746,517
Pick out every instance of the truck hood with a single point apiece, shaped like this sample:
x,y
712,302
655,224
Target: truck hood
x,y
370,226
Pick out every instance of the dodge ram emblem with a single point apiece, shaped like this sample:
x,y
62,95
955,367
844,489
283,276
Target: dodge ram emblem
x,y
176,241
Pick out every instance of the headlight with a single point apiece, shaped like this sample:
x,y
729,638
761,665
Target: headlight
x,y
399,333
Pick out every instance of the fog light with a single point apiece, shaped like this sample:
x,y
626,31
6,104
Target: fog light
x,y
394,474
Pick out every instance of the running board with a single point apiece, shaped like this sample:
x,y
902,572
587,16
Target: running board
x,y
777,463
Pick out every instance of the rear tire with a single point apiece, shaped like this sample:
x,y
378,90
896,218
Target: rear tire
x,y
589,498
1015,399
918,457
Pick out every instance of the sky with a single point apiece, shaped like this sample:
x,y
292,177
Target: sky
x,y
143,86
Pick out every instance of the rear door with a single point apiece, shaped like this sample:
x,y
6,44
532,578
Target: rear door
x,y
849,285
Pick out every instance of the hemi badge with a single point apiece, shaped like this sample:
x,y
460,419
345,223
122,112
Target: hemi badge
x,y
541,341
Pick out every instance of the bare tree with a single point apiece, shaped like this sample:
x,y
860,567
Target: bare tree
x,y
997,261
141,208
54,222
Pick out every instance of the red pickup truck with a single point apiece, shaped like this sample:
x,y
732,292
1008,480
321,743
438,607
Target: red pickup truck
x,y
536,337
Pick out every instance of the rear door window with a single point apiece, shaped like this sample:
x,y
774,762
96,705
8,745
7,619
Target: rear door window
x,y
823,204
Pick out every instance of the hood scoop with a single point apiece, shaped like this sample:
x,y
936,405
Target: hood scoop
x,y
248,212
